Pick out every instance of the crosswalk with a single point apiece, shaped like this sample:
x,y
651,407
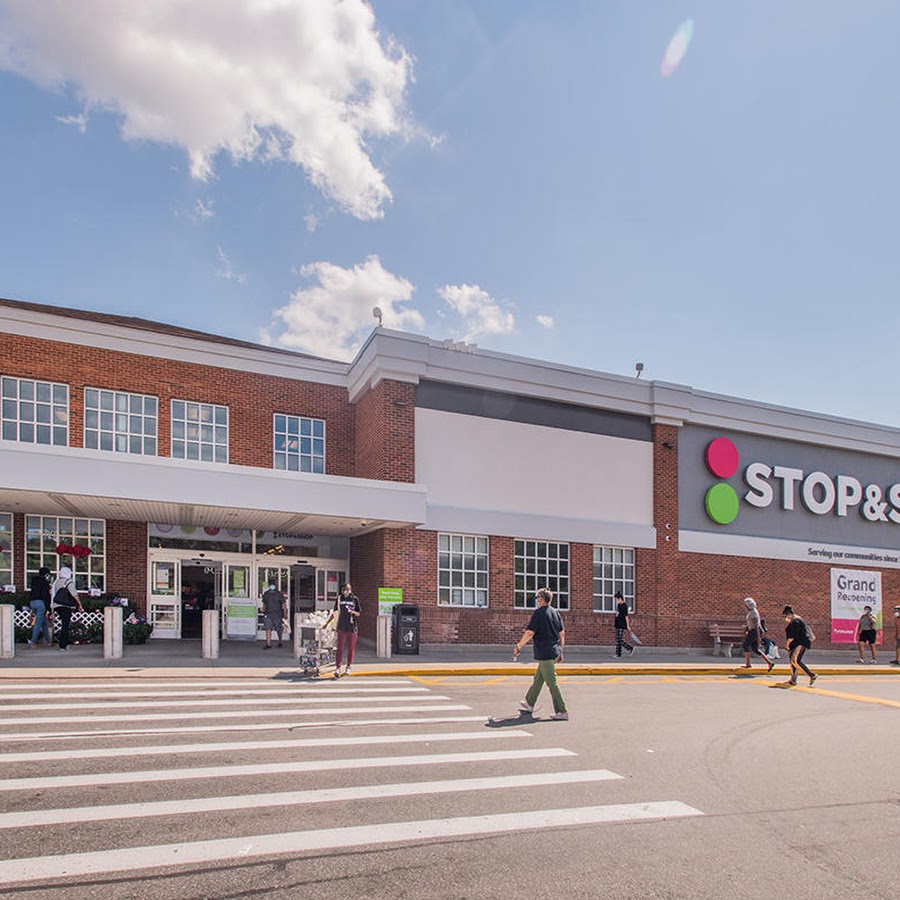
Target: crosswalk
x,y
115,778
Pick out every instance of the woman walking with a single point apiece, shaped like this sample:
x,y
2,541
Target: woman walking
x,y
65,602
622,625
799,639
40,606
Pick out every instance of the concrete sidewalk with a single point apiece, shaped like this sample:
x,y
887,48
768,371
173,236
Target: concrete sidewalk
x,y
157,659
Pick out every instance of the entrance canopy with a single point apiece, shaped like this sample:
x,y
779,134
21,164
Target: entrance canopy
x,y
74,482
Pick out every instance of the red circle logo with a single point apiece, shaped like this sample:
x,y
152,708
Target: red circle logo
x,y
722,458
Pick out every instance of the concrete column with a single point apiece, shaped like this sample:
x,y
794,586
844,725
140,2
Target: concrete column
x,y
7,631
112,632
210,640
383,637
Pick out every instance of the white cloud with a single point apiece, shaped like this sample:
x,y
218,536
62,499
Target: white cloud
x,y
333,316
480,312
80,121
203,210
226,270
307,81
546,321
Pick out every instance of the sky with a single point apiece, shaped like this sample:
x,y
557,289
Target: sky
x,y
539,178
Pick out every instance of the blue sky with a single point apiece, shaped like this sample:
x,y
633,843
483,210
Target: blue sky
x,y
518,174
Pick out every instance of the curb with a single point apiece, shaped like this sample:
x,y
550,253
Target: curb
x,y
426,670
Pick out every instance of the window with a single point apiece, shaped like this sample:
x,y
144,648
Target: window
x,y
541,564
199,431
613,571
6,549
44,533
462,570
35,412
123,423
299,444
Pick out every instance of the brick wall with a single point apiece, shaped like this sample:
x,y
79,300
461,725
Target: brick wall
x,y
126,561
385,432
252,398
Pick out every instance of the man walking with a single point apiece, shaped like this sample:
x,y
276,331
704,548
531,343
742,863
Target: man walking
x,y
548,632
275,612
866,633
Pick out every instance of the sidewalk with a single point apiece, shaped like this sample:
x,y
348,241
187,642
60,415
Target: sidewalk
x,y
157,659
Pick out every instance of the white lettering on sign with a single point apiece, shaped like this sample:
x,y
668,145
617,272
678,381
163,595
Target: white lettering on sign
x,y
820,493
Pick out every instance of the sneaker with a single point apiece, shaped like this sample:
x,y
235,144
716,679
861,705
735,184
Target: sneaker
x,y
525,706
337,674
560,717
791,682
267,647
771,665
630,653
347,670
812,680
894,662
861,660
280,644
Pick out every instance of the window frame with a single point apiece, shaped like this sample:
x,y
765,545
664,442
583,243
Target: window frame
x,y
183,419
282,431
115,414
615,575
527,583
86,569
8,533
463,546
54,406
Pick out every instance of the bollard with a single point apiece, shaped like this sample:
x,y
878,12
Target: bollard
x,y
297,618
210,634
383,638
7,631
112,632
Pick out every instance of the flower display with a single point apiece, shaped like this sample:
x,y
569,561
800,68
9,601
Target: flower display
x,y
76,550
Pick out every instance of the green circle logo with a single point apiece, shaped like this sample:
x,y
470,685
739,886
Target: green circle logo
x,y
722,503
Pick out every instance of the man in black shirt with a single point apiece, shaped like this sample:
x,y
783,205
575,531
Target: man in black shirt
x,y
347,609
547,629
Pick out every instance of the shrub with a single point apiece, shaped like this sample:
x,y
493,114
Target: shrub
x,y
136,632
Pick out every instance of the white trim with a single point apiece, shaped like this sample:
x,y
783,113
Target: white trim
x,y
494,523
776,548
161,345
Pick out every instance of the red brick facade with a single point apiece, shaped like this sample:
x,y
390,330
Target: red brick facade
x,y
677,594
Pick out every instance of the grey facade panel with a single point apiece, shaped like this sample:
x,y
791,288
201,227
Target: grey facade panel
x,y
773,520
469,401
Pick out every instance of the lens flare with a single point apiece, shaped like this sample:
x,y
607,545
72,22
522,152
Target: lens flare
x,y
677,48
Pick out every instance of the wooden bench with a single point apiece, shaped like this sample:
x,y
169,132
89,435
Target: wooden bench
x,y
725,635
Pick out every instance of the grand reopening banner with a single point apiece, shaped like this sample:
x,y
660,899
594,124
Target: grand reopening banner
x,y
851,590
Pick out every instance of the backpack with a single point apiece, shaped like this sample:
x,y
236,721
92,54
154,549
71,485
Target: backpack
x,y
63,598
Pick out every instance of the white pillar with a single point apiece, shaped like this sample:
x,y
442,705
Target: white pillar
x,y
383,637
297,619
210,633
7,631
112,632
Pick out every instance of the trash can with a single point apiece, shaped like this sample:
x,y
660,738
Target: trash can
x,y
406,629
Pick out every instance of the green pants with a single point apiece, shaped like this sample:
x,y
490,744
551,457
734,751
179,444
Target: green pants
x,y
546,673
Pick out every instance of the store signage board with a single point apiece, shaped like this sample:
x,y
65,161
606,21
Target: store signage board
x,y
240,621
388,598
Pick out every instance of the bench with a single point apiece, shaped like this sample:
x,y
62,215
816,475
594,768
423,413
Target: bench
x,y
725,635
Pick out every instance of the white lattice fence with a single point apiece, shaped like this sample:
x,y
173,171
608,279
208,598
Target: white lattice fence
x,y
23,618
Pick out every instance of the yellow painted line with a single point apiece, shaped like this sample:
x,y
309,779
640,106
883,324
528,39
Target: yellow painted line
x,y
842,695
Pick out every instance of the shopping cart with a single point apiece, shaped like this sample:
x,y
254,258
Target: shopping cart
x,y
316,645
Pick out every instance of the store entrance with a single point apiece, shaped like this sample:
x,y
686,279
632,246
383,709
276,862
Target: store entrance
x,y
199,588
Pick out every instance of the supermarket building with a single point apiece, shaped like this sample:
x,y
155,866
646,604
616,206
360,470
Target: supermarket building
x,y
198,469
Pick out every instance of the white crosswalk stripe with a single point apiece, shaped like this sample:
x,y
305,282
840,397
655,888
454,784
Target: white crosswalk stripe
x,y
54,776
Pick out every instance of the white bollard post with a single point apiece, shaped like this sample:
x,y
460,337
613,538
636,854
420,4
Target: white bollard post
x,y
210,634
7,631
112,632
383,638
297,618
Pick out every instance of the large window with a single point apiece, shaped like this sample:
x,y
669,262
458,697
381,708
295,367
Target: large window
x,y
43,534
462,570
35,412
123,423
6,549
199,431
540,564
299,444
613,571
